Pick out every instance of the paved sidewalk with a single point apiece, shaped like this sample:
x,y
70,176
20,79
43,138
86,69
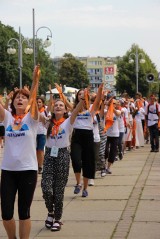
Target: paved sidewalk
x,y
123,205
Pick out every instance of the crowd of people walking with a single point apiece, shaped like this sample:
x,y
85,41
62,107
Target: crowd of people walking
x,y
43,138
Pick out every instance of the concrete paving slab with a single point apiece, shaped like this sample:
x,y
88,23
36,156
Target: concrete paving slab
x,y
102,192
96,205
94,215
149,205
151,192
117,180
126,171
143,230
147,216
72,230
153,180
110,192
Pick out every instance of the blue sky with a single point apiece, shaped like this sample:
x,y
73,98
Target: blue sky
x,y
89,27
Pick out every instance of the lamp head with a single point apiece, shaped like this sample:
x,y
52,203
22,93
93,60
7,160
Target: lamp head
x,y
142,61
11,51
47,42
131,60
28,51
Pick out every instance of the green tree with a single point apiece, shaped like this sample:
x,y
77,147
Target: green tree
x,y
9,73
72,72
126,77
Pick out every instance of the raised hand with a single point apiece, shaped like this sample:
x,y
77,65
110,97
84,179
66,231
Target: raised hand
x,y
26,87
50,88
59,88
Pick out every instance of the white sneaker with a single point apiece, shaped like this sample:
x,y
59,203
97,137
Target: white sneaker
x,y
108,171
103,172
91,182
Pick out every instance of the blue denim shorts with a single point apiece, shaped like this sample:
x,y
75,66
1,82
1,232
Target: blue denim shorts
x,y
41,140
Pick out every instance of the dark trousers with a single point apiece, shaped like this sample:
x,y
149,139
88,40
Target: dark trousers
x,y
82,152
96,147
154,136
23,182
120,142
111,149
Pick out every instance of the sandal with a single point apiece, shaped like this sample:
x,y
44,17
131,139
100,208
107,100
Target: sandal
x,y
56,226
49,220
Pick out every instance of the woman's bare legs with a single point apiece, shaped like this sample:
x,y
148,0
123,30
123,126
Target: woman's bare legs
x,y
85,183
78,178
24,228
10,227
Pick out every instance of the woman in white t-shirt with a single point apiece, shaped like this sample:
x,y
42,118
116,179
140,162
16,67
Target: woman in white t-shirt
x,y
82,143
56,162
122,120
19,164
112,138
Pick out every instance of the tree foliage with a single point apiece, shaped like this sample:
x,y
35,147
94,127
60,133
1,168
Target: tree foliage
x,y
9,73
72,72
126,77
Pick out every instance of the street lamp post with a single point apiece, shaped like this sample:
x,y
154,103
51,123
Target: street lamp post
x,y
47,42
12,51
137,57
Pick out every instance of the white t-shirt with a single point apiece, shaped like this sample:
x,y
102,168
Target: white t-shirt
x,y
113,131
96,130
1,124
84,120
41,128
20,144
145,106
152,117
62,139
139,115
124,114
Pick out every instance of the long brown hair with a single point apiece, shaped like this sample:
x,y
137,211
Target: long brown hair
x,y
77,100
53,117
